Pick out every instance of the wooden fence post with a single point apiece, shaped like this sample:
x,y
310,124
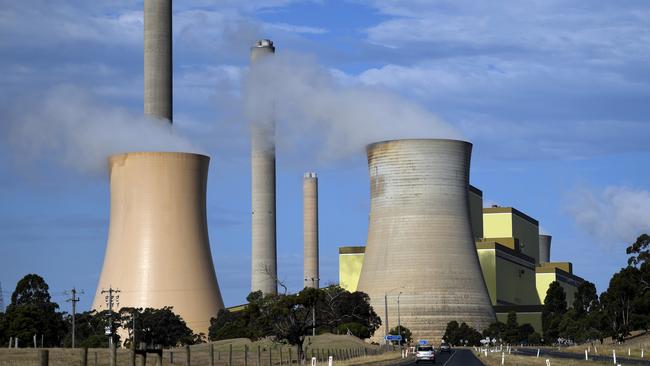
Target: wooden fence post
x,y
84,356
245,355
290,357
188,360
211,354
113,356
230,355
259,356
43,357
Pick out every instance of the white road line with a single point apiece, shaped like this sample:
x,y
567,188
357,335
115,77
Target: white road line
x,y
449,359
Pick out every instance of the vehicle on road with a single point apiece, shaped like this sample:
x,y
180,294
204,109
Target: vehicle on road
x,y
425,353
445,347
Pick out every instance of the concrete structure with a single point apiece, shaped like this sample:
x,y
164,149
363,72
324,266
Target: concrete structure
x,y
264,271
158,251
545,248
158,59
310,229
476,211
420,240
561,272
531,314
350,264
512,228
509,274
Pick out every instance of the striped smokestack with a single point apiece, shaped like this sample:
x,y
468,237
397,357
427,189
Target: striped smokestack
x,y
158,59
263,254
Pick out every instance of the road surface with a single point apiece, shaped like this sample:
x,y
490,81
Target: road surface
x,y
457,357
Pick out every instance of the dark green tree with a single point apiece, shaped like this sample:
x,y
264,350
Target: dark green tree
x,y
495,330
511,333
356,329
338,306
462,334
158,327
32,312
555,306
90,332
406,334
229,325
619,300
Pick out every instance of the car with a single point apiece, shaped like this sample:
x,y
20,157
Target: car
x,y
445,347
425,353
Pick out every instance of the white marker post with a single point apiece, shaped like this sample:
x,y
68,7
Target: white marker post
x,y
503,358
538,353
614,355
548,362
629,351
641,352
330,361
586,356
313,361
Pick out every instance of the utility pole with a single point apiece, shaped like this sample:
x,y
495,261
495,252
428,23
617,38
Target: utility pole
x,y
110,299
74,300
2,300
386,330
399,322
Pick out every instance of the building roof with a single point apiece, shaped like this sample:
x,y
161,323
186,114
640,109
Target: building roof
x,y
352,250
511,210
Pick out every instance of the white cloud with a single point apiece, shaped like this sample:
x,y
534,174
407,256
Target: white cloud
x,y
612,216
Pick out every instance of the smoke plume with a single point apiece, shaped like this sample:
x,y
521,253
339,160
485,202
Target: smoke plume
x,y
68,125
613,216
312,108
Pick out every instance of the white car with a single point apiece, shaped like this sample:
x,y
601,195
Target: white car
x,y
425,353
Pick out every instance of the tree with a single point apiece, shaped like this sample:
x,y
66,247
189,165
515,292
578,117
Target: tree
x,y
158,327
406,334
90,332
356,329
495,330
229,325
618,301
32,312
555,306
456,334
511,334
338,306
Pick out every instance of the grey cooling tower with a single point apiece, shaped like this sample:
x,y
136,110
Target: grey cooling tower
x,y
263,253
158,251
310,229
545,248
420,239
158,59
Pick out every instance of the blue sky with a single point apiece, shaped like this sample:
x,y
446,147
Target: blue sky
x,y
554,95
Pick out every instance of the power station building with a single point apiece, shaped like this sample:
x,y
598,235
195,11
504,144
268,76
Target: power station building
x,y
514,260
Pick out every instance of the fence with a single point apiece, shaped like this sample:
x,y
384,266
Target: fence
x,y
212,354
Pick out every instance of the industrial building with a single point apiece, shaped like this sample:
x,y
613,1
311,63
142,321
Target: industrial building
x,y
514,259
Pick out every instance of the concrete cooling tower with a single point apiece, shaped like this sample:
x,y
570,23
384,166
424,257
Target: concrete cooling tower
x,y
420,245
545,248
310,229
158,59
158,251
264,272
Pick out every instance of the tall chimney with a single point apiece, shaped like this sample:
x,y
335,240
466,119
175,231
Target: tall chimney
x,y
158,59
420,245
310,229
545,248
264,271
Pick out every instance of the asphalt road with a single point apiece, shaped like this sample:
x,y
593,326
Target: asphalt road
x,y
457,357
580,356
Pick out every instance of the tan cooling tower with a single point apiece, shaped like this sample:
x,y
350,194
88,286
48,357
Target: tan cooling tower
x,y
158,252
264,267
310,229
420,241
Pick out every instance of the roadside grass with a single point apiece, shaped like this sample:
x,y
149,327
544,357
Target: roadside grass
x,y
494,359
346,350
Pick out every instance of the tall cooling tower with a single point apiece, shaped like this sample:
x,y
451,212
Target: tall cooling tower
x,y
158,251
263,252
158,59
310,229
420,240
545,248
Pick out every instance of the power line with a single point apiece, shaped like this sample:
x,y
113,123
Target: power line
x,y
74,300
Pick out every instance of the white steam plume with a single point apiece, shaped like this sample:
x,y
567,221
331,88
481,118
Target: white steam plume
x,y
613,216
312,107
68,125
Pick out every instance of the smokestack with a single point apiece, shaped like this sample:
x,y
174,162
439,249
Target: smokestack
x,y
158,59
158,251
545,248
263,254
310,229
420,241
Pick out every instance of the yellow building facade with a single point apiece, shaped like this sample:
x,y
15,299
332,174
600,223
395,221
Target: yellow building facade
x,y
350,263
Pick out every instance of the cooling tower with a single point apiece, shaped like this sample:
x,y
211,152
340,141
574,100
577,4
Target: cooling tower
x,y
263,252
158,59
310,229
158,251
420,240
545,248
